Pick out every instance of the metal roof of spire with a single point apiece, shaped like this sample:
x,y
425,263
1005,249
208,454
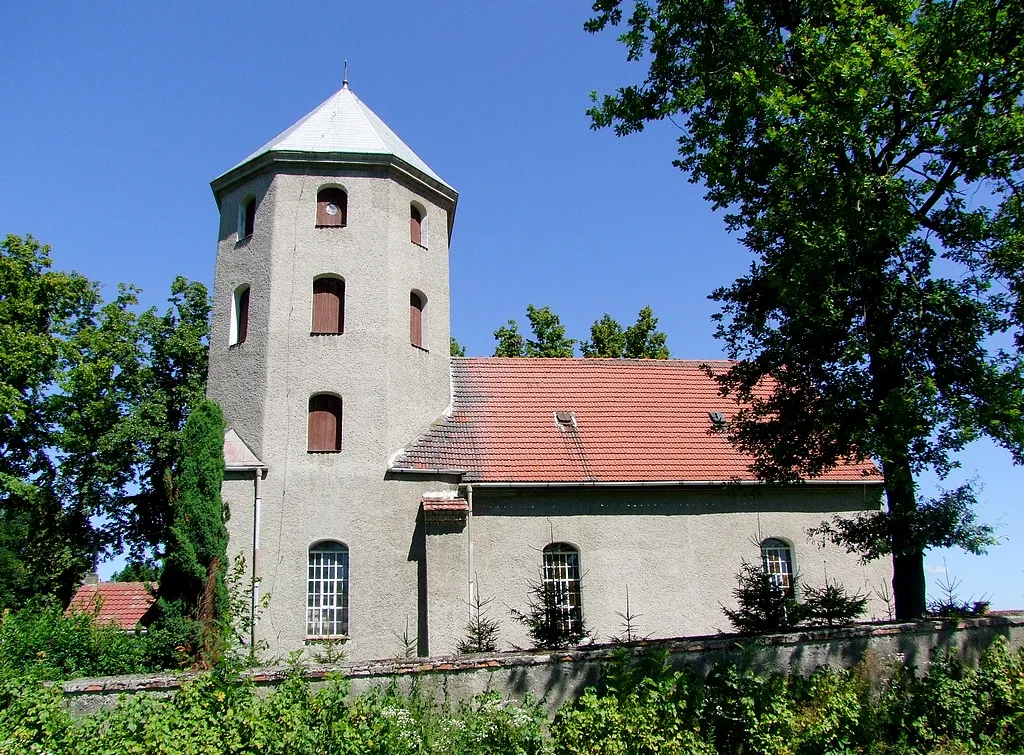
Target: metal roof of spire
x,y
342,124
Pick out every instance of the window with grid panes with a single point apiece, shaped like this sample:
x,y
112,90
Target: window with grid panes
x,y
562,578
778,562
327,590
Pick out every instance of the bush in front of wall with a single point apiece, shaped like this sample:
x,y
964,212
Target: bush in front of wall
x,y
764,605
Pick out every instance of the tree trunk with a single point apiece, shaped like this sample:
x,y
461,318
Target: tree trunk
x,y
908,585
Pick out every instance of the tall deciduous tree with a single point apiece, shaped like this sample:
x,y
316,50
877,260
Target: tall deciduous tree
x,y
172,381
642,340
549,339
869,152
192,584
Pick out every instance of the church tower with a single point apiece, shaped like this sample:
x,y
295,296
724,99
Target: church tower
x,y
328,353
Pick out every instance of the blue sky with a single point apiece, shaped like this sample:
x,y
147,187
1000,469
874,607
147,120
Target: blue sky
x,y
115,122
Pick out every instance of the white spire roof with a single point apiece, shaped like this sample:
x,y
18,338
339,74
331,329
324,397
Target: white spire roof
x,y
343,124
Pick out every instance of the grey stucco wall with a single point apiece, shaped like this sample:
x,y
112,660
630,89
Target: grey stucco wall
x,y
676,549
390,389
559,677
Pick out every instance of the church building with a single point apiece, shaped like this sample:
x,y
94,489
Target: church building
x,y
376,486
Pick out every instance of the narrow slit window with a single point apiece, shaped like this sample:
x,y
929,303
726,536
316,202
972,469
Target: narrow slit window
x,y
331,208
247,220
324,427
328,305
416,225
327,590
417,305
240,316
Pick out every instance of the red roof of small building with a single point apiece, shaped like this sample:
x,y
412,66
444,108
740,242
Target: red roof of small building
x,y
124,603
588,420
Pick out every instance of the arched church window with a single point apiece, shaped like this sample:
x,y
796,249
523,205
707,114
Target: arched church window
x,y
327,590
324,427
416,224
239,315
246,218
328,305
561,582
777,558
331,208
417,309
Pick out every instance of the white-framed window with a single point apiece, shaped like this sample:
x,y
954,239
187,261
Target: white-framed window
x,y
327,590
239,329
777,557
561,575
246,218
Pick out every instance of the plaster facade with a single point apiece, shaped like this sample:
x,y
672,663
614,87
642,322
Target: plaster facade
x,y
677,549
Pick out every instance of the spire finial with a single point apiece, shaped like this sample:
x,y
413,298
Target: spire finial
x,y
344,81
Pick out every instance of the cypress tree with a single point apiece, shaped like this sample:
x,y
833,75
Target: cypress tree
x,y
193,596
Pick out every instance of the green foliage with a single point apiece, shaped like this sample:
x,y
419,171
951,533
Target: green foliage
x,y
548,336
193,597
832,605
41,642
548,619
764,604
79,380
869,155
481,632
141,570
607,339
456,349
642,705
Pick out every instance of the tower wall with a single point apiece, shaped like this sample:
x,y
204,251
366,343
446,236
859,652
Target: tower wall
x,y
390,389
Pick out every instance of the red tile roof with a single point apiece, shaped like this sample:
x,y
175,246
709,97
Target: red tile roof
x,y
632,421
124,603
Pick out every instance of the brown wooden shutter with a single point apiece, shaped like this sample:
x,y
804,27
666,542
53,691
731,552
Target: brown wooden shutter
x,y
328,305
242,326
325,199
415,320
250,218
324,423
415,226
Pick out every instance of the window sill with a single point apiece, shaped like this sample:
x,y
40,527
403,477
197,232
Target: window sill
x,y
332,225
243,241
424,349
235,345
327,332
325,451
312,639
419,245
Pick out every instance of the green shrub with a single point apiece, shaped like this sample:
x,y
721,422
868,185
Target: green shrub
x,y
42,642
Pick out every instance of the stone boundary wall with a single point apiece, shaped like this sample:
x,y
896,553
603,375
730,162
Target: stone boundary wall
x,y
556,677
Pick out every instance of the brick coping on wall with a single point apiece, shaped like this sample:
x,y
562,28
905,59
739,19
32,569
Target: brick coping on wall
x,y
699,645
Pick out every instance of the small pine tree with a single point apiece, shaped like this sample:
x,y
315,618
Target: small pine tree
x,y
481,631
550,623
193,596
832,605
765,604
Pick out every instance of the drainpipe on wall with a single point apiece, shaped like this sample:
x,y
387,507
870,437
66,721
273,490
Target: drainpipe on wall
x,y
469,547
257,501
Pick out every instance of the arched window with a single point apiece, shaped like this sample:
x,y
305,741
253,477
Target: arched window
x,y
239,316
778,562
324,423
331,208
561,576
416,217
328,305
417,309
246,218
327,590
